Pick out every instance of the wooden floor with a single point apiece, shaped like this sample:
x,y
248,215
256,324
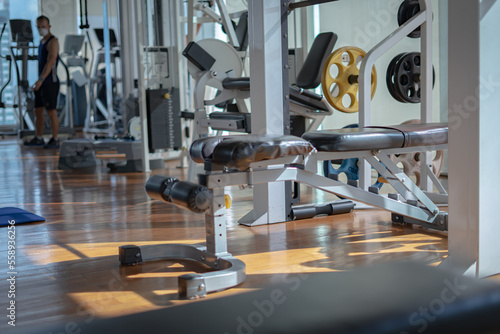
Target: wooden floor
x,y
68,266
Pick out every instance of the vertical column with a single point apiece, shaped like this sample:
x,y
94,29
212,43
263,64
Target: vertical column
x,y
427,85
268,98
474,138
215,224
107,60
442,75
127,58
137,18
489,139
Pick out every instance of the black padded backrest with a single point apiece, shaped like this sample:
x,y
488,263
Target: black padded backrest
x,y
310,73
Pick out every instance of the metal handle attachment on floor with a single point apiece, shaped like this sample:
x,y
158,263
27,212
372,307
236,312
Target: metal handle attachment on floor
x,y
311,211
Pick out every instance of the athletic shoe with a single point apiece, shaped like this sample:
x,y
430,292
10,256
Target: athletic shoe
x,y
53,143
35,142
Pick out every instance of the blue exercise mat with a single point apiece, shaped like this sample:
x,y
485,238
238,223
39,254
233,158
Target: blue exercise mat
x,y
20,216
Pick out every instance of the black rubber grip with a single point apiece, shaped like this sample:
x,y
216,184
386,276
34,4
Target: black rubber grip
x,y
184,194
236,83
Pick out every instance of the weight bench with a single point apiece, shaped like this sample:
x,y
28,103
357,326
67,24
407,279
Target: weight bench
x,y
237,160
254,159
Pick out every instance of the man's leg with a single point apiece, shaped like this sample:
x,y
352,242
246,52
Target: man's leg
x,y
39,121
50,93
54,122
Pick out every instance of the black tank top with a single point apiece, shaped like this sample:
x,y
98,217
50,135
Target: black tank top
x,y
43,57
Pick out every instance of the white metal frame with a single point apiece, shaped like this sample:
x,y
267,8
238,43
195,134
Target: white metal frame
x,y
423,20
412,202
474,137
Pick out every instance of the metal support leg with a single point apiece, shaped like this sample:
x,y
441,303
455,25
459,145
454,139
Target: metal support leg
x,y
268,97
228,271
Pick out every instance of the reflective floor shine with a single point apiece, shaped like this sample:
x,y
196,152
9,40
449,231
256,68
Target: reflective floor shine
x,y
67,267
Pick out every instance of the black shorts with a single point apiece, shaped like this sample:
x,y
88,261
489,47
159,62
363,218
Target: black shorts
x,y
47,95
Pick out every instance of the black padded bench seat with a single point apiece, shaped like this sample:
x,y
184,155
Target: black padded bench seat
x,y
307,99
300,96
379,137
240,151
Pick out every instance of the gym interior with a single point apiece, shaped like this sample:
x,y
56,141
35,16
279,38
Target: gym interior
x,y
251,166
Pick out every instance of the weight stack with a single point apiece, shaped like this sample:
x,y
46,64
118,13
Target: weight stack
x,y
164,123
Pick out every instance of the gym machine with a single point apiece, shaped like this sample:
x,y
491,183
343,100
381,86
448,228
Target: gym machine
x,y
22,50
275,158
80,82
105,115
151,103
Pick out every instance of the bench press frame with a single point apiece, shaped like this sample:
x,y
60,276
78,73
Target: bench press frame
x,y
304,169
410,205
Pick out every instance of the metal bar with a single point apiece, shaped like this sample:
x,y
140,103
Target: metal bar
x,y
394,182
321,183
107,60
427,85
228,24
190,20
215,224
286,96
137,18
307,3
322,156
408,183
228,271
372,56
266,96
365,80
433,179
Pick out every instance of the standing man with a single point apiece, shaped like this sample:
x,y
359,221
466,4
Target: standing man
x,y
47,87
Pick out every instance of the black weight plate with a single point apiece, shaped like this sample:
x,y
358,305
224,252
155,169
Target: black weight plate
x,y
390,77
407,10
407,79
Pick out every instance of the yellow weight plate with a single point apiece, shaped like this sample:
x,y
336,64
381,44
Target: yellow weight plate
x,y
228,200
339,79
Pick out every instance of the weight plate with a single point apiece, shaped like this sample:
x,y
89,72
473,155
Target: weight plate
x,y
226,58
349,167
407,10
134,127
404,78
391,75
411,161
407,79
339,79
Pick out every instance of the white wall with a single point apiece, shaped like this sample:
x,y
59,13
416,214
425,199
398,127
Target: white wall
x,y
364,23
62,15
